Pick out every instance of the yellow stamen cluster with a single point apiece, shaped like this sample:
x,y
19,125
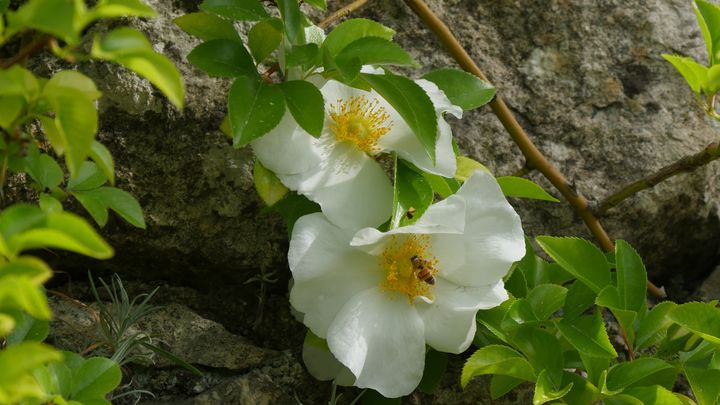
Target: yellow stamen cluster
x,y
360,122
401,273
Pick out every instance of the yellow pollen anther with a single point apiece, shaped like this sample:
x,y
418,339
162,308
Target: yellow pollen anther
x,y
403,273
360,122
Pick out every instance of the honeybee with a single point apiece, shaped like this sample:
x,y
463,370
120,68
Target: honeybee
x,y
424,269
410,212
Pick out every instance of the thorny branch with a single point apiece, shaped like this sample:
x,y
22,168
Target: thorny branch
x,y
341,13
533,155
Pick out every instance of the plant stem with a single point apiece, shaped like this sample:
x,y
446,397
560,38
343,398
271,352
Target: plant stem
x,y
341,13
27,51
684,165
533,155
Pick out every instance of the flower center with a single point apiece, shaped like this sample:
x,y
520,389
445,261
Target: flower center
x,y
410,268
360,122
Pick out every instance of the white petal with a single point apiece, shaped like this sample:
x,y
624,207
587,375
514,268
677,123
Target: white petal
x,y
351,188
322,365
450,318
334,91
287,149
439,99
381,340
493,237
327,272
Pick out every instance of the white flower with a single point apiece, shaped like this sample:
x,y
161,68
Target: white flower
x,y
338,169
363,293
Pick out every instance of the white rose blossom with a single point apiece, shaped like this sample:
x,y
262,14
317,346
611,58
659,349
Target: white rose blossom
x,y
361,291
338,169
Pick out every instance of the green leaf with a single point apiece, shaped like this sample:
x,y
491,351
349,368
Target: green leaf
x,y
492,318
502,384
640,372
435,365
412,103
27,267
694,73
704,384
609,298
97,210
131,49
241,10
654,395
542,349
319,4
631,277
545,299
118,8
255,108
580,258
293,18
294,206
95,378
49,203
712,85
700,318
523,188
43,169
412,195
120,201
467,166
89,177
443,186
19,218
20,293
372,397
497,360
10,109
264,38
103,159
23,358
653,327
375,51
545,390
17,81
28,329
304,55
63,231
56,17
462,88
351,30
306,104
709,18
4,4
207,26
267,185
587,334
76,121
223,58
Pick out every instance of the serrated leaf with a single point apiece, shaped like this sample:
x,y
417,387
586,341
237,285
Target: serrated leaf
x,y
545,390
580,258
412,195
89,177
19,218
223,58
700,318
640,372
306,104
104,160
654,395
545,299
49,203
20,293
375,51
609,298
241,10
462,88
443,186
255,108
10,108
412,103
467,166
542,350
264,38
352,30
523,188
435,365
653,327
267,185
23,358
303,55
118,8
588,335
704,384
709,18
496,360
131,49
319,4
120,201
95,379
293,19
694,73
28,329
207,26
43,169
294,206
56,17
502,384
631,277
